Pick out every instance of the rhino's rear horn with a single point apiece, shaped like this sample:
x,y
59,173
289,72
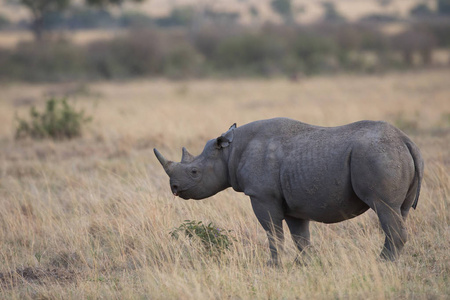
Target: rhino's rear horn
x,y
186,157
164,162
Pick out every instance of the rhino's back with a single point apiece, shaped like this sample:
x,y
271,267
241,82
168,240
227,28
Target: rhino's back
x,y
287,130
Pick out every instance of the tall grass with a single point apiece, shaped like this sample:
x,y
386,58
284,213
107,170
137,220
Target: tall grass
x,y
91,217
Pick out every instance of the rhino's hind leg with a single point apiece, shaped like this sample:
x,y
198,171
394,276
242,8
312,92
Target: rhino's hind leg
x,y
393,226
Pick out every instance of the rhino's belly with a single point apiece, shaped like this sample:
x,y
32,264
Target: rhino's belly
x,y
326,210
326,202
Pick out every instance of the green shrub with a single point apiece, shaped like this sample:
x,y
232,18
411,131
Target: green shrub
x,y
214,239
59,121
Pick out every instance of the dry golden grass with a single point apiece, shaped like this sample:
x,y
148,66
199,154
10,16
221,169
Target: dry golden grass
x,y
90,218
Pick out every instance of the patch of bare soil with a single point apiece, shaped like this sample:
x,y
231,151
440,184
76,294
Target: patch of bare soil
x,y
36,275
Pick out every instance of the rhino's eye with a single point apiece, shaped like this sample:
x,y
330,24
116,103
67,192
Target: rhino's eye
x,y
194,172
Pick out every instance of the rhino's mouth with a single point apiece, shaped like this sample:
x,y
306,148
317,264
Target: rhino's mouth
x,y
181,194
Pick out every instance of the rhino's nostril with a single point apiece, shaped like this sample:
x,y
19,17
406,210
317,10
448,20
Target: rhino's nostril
x,y
174,188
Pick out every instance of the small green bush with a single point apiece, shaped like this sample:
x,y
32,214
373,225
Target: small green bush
x,y
214,239
59,121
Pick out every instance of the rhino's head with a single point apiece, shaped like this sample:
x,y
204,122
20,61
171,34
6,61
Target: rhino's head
x,y
199,177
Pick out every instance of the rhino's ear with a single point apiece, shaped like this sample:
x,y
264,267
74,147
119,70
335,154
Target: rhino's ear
x,y
225,139
233,126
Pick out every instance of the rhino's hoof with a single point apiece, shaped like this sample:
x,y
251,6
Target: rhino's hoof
x,y
273,263
388,256
301,261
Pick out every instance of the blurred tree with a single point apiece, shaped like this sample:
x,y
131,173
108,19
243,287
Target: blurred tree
x,y
384,2
109,2
330,12
284,9
421,10
443,7
179,16
254,13
39,8
4,21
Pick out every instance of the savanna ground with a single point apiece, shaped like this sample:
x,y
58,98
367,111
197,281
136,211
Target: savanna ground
x,y
90,217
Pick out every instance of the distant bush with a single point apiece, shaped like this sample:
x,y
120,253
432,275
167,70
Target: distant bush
x,y
80,18
224,50
312,51
137,54
206,39
215,240
379,18
182,61
143,53
59,121
89,18
412,41
252,53
331,13
443,7
135,19
180,16
440,29
4,21
43,61
220,17
421,10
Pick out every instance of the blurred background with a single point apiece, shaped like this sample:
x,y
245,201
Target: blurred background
x,y
89,87
67,40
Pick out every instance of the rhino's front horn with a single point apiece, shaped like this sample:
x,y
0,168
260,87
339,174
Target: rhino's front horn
x,y
164,162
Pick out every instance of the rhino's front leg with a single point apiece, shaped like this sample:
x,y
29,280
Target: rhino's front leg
x,y
299,229
270,216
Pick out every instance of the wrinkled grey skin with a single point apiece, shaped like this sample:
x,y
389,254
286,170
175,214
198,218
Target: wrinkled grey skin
x,y
299,173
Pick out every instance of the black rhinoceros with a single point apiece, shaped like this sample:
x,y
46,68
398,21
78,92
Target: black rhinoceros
x,y
299,173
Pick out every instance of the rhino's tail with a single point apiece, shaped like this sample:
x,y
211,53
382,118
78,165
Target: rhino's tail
x,y
419,166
